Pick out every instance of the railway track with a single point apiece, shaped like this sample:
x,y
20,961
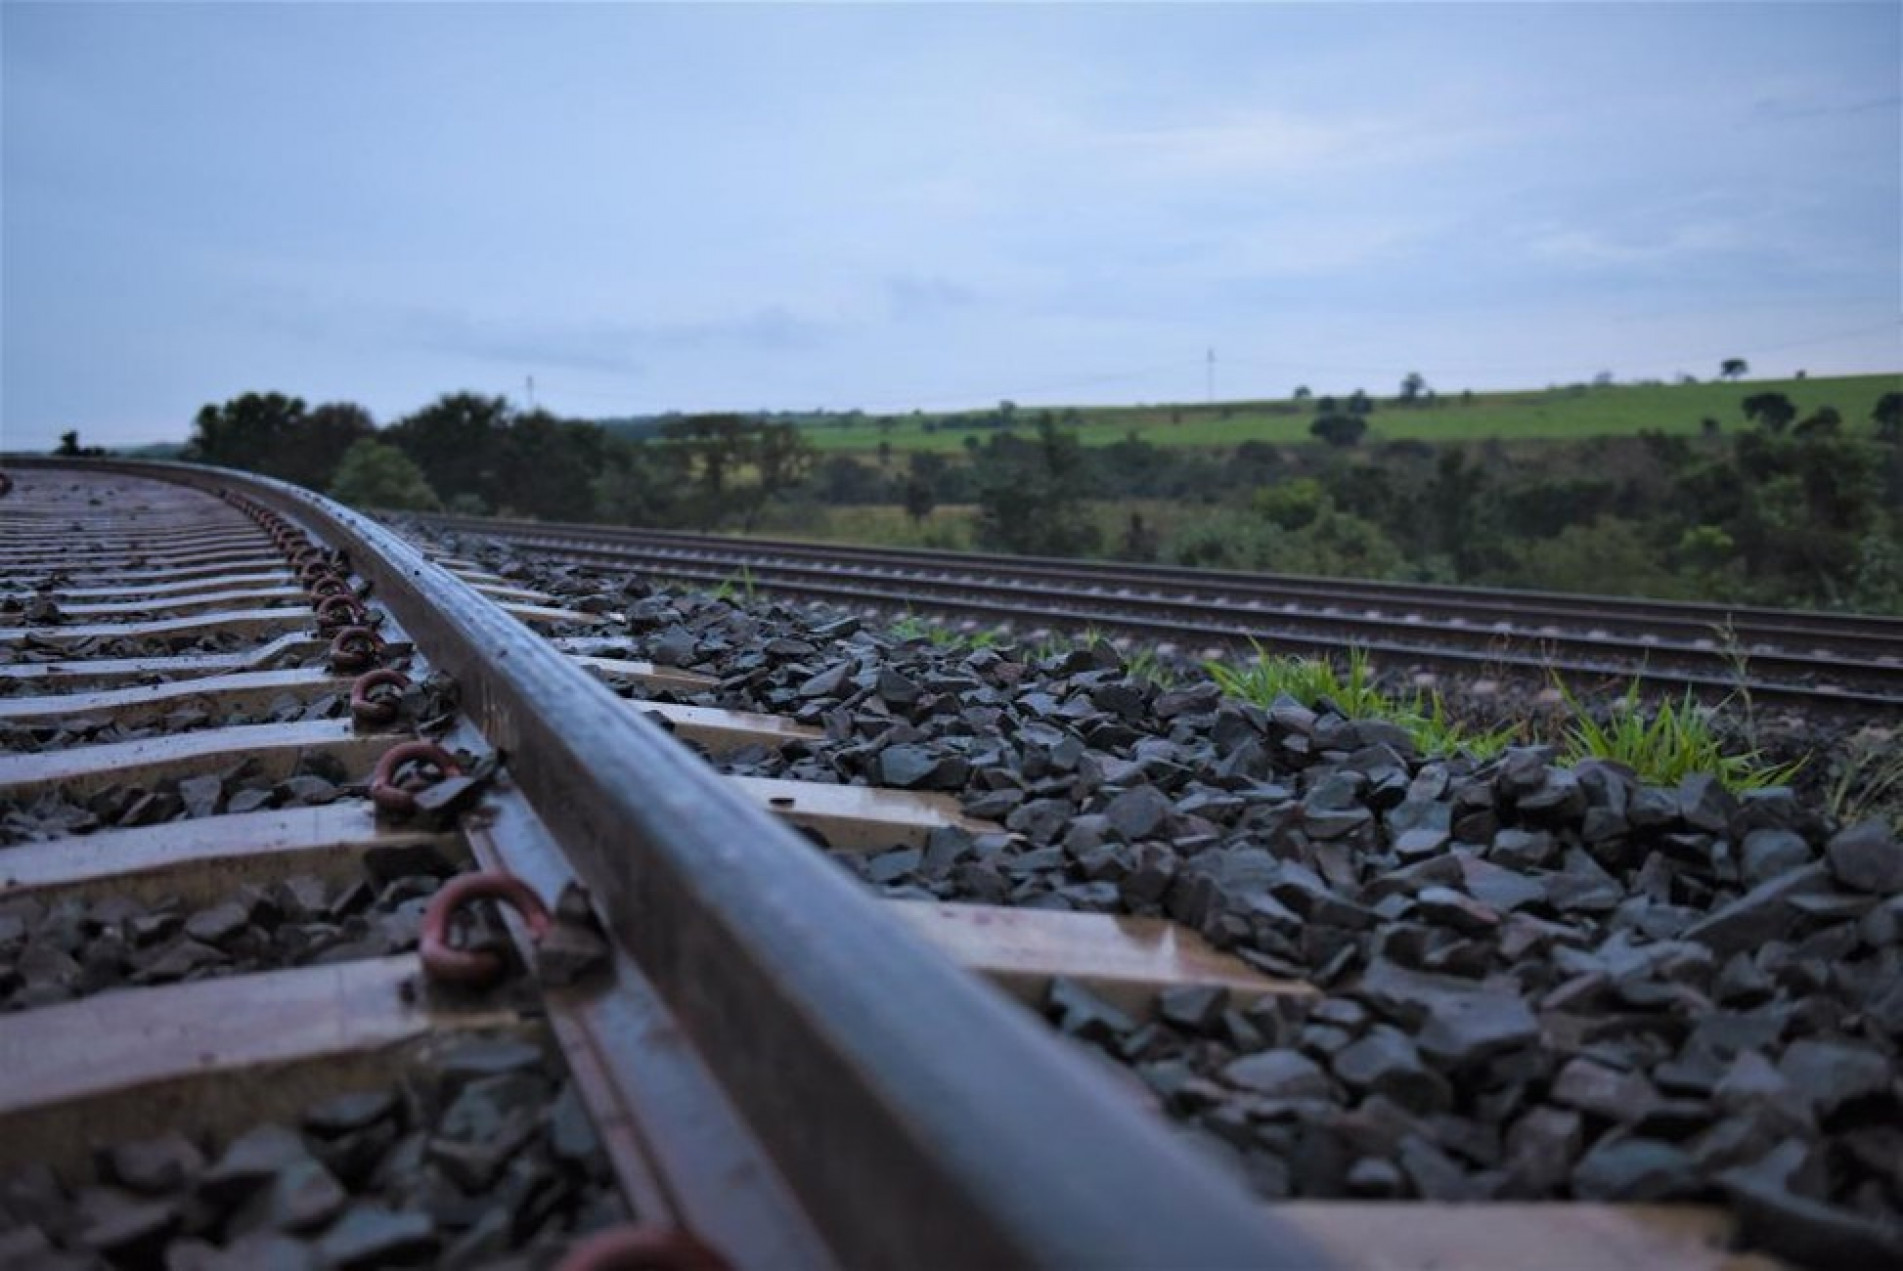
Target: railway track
x,y
346,920
1853,661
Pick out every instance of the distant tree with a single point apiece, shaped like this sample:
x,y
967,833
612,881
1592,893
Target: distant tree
x,y
919,497
1339,429
1602,380
1030,492
1302,393
1733,368
1326,406
1888,416
458,441
1773,410
1359,403
549,466
781,459
251,431
68,443
316,444
375,474
1825,419
1412,386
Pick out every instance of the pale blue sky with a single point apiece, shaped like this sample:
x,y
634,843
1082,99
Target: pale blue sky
x,y
655,207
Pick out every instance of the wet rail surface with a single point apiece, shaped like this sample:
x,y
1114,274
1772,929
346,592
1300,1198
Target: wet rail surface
x,y
224,844
259,752
1853,660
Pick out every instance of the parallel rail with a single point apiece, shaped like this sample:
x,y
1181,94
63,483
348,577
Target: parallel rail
x,y
1850,660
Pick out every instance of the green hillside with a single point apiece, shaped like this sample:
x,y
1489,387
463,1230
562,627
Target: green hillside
x,y
1576,411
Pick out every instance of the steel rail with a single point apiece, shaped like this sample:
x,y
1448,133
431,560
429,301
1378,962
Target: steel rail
x,y
919,1118
1843,682
1743,624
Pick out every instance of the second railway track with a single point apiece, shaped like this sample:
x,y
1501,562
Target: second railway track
x,y
1854,661
258,750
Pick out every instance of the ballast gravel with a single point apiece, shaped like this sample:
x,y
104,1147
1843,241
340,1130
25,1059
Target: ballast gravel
x,y
480,1155
1538,981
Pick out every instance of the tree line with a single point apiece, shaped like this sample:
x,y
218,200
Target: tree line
x,y
1781,511
481,455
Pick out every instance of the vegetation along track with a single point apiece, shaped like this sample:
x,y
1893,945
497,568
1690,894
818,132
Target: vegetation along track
x,y
1854,661
711,1044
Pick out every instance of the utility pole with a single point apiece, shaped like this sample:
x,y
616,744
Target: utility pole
x,y
1211,385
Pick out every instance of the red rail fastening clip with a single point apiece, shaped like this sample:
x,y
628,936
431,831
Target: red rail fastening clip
x,y
366,709
391,796
327,583
443,961
642,1247
340,611
354,649
313,571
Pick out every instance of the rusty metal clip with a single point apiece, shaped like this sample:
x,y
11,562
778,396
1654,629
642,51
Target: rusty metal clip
x,y
399,799
341,611
354,649
327,583
369,710
642,1247
444,962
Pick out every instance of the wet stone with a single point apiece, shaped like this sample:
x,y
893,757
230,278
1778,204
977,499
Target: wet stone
x,y
217,925
370,1235
154,1166
1192,1006
1138,813
1633,1170
1767,853
1386,1062
1082,1014
1832,1074
1867,857
1603,1091
1463,1029
1760,915
1280,1074
344,1113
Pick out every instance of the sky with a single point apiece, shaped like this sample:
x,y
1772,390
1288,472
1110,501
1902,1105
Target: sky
x,y
643,208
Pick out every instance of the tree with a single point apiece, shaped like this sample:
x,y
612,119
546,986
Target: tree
x,y
457,441
251,431
68,443
920,493
1412,387
1825,419
314,445
547,466
1733,368
1359,403
1030,492
1773,410
1338,429
1302,393
1888,417
375,474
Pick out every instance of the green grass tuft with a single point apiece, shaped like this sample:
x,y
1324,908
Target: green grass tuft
x,y
1675,741
1354,693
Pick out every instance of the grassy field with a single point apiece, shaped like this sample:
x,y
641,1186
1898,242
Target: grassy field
x,y
951,526
1573,412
